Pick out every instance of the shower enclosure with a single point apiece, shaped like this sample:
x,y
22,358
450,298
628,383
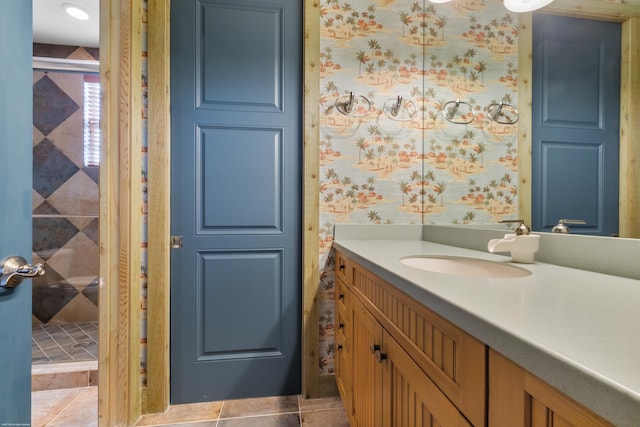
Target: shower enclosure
x,y
65,211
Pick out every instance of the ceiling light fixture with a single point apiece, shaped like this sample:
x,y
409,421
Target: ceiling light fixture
x,y
75,11
519,6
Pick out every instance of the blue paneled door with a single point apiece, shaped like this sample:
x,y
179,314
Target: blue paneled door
x,y
236,143
15,207
576,124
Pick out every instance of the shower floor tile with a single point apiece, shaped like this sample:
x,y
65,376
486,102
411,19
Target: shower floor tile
x,y
71,342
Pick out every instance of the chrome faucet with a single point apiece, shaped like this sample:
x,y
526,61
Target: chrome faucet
x,y
521,230
562,228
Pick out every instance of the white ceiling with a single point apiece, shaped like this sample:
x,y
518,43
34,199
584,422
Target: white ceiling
x,y
52,25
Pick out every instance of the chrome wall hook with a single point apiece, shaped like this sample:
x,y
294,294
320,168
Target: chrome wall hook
x,y
503,113
352,105
451,108
400,110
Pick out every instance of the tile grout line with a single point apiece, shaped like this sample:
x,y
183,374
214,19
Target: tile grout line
x,y
35,341
77,326
58,344
220,413
66,407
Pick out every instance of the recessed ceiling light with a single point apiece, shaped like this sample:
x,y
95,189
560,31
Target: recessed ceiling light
x,y
525,5
75,11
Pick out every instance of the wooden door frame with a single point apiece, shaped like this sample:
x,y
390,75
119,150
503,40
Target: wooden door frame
x,y
629,17
119,390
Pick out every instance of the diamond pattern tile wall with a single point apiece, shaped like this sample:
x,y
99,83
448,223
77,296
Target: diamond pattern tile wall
x,y
51,105
65,198
51,168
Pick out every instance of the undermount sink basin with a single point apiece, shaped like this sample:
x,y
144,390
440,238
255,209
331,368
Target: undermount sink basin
x,y
467,267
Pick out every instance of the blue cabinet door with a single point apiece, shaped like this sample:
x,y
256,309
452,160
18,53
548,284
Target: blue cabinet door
x,y
15,207
236,142
576,125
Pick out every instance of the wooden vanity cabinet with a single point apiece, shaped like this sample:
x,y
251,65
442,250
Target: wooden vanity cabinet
x,y
404,365
518,398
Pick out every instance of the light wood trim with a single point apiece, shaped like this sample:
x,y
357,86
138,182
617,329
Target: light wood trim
x,y
159,186
311,209
593,9
525,74
120,218
630,130
628,15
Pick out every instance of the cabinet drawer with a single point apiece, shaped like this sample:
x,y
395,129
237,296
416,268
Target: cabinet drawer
x,y
343,326
342,268
342,296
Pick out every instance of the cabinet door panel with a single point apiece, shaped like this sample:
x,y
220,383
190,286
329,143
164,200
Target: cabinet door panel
x,y
411,399
518,398
367,374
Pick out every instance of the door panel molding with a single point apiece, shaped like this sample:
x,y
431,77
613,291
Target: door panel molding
x,y
261,211
585,187
629,17
268,96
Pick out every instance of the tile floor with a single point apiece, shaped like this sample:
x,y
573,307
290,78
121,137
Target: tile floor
x,y
59,400
65,342
78,407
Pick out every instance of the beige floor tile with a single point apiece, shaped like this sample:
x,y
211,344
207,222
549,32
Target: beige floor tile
x,y
45,405
82,412
191,412
320,404
259,406
280,420
195,424
329,417
55,381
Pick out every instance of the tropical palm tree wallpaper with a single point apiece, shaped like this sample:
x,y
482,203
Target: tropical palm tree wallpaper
x,y
448,69
441,159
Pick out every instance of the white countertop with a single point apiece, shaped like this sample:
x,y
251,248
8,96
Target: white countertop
x,y
577,330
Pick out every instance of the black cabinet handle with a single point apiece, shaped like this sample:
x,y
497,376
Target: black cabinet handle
x,y
380,356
